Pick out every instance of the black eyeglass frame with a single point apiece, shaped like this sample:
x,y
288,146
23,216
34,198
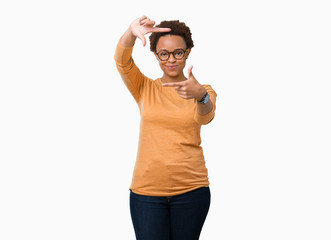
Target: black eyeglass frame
x,y
173,54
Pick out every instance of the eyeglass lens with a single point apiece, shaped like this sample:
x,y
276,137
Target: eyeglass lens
x,y
178,54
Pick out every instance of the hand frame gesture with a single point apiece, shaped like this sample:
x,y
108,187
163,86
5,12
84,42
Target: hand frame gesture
x,y
143,25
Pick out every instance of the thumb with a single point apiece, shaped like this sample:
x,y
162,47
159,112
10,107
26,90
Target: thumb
x,y
189,71
142,38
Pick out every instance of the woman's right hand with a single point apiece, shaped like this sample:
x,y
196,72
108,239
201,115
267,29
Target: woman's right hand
x,y
141,26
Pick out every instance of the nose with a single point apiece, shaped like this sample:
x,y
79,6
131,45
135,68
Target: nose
x,y
171,58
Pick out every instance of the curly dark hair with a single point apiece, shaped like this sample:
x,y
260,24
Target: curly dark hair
x,y
177,28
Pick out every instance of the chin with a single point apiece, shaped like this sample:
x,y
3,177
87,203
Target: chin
x,y
172,73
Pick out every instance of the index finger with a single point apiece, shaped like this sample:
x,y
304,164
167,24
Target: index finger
x,y
156,29
177,84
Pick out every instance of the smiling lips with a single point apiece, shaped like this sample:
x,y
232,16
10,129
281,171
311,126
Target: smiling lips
x,y
171,67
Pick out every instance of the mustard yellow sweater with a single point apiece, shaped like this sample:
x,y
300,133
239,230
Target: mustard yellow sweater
x,y
170,160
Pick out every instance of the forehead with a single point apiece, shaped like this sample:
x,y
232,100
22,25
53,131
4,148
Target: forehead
x,y
171,42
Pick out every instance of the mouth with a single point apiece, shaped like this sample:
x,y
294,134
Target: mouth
x,y
171,67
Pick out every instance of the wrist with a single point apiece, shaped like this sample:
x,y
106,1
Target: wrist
x,y
128,39
201,93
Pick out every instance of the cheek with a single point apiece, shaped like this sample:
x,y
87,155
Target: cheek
x,y
162,64
182,64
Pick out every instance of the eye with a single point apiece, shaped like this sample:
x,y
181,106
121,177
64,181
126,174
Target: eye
x,y
163,53
179,53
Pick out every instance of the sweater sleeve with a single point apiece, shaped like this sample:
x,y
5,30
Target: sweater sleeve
x,y
130,73
205,119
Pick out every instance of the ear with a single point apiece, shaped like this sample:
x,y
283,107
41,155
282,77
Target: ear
x,y
157,58
188,51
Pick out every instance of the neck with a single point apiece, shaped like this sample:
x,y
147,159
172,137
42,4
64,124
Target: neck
x,y
166,78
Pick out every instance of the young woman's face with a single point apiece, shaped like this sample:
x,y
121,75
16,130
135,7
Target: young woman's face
x,y
174,65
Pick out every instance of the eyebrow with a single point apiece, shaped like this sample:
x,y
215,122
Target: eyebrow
x,y
169,51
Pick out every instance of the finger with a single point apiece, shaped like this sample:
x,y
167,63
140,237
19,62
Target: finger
x,y
180,90
189,71
178,84
184,95
149,23
142,18
144,21
161,29
168,85
142,38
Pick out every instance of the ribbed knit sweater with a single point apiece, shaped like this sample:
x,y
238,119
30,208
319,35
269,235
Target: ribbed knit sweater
x,y
170,160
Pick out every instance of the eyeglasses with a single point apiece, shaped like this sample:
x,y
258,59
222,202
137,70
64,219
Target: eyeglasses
x,y
164,55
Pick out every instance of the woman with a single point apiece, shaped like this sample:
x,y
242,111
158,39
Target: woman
x,y
169,194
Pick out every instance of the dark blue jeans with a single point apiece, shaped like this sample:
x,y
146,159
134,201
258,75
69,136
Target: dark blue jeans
x,y
180,217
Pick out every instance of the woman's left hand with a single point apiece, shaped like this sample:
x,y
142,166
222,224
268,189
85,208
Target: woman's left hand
x,y
188,89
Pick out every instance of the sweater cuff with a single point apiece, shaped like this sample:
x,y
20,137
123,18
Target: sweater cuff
x,y
204,119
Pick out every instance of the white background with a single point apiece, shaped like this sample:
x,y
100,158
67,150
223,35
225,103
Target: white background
x,y
69,127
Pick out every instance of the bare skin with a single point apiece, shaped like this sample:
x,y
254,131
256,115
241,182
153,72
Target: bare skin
x,y
173,75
